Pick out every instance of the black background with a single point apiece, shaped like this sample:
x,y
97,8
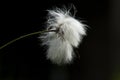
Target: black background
x,y
25,59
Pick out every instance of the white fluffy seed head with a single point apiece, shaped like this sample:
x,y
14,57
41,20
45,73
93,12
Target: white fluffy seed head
x,y
69,33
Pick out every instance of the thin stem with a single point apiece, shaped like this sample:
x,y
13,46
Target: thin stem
x,y
23,36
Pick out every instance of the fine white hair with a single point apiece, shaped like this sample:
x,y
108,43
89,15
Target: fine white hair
x,y
69,33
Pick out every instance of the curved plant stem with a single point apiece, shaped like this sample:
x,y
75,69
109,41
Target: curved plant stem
x,y
23,36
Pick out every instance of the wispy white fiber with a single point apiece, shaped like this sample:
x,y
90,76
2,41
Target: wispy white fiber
x,y
69,33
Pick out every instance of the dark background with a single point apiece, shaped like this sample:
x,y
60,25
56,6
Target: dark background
x,y
25,59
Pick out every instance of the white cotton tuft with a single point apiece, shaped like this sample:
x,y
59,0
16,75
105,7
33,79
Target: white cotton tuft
x,y
69,33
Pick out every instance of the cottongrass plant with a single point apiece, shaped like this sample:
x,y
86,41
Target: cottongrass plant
x,y
63,32
68,34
